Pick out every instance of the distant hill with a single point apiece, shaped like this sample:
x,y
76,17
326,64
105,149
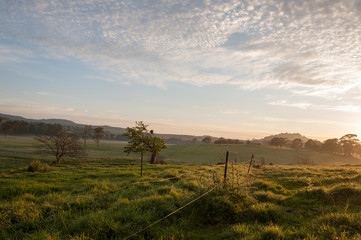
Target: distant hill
x,y
169,138
63,122
289,136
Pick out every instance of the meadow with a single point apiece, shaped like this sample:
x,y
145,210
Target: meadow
x,y
103,197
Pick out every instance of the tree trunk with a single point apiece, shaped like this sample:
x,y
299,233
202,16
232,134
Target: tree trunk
x,y
153,158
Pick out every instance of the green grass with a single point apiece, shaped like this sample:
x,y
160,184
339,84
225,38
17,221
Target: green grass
x,y
88,201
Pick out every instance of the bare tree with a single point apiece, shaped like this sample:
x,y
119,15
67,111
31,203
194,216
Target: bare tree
x,y
98,134
60,143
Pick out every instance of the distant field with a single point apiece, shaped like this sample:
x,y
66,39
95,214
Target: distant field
x,y
18,151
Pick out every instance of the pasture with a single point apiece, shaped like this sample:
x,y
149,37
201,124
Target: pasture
x,y
104,197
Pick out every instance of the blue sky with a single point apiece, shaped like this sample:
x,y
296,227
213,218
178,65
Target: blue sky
x,y
240,69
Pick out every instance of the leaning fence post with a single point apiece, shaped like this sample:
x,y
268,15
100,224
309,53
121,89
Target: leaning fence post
x,y
250,163
225,170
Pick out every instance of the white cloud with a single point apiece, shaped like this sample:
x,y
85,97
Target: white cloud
x,y
306,106
312,47
285,103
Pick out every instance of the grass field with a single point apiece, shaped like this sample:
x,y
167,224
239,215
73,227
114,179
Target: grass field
x,y
15,151
94,200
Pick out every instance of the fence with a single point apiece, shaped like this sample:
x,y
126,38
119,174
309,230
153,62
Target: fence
x,y
5,212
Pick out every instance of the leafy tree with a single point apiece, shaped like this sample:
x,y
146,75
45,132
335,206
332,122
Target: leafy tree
x,y
278,141
142,140
207,140
297,143
310,144
87,132
136,142
98,134
227,141
60,143
349,144
331,145
8,127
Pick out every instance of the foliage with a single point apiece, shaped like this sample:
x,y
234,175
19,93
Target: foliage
x,y
227,141
331,145
312,144
60,143
142,140
37,166
207,140
349,144
297,143
278,141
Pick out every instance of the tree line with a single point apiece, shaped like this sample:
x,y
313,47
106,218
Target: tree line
x,y
21,127
347,145
60,141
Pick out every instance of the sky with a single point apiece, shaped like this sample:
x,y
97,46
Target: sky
x,y
235,69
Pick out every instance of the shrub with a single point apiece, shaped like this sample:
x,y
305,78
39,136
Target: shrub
x,y
37,166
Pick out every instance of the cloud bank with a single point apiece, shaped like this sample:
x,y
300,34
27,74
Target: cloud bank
x,y
310,47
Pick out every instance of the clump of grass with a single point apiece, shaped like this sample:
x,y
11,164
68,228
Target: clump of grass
x,y
37,166
345,192
269,186
262,213
214,209
315,196
338,226
271,232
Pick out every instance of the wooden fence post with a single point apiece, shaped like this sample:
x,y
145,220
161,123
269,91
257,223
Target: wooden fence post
x,y
250,163
225,171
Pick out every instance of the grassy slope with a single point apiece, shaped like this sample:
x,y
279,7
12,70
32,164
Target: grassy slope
x,y
86,202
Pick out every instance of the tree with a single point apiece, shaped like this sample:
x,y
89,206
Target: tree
x,y
141,140
310,144
60,143
8,127
87,132
98,134
297,143
349,144
278,141
207,140
331,145
136,143
1,122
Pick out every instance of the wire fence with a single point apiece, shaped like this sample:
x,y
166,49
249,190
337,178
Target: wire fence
x,y
5,212
170,214
111,190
